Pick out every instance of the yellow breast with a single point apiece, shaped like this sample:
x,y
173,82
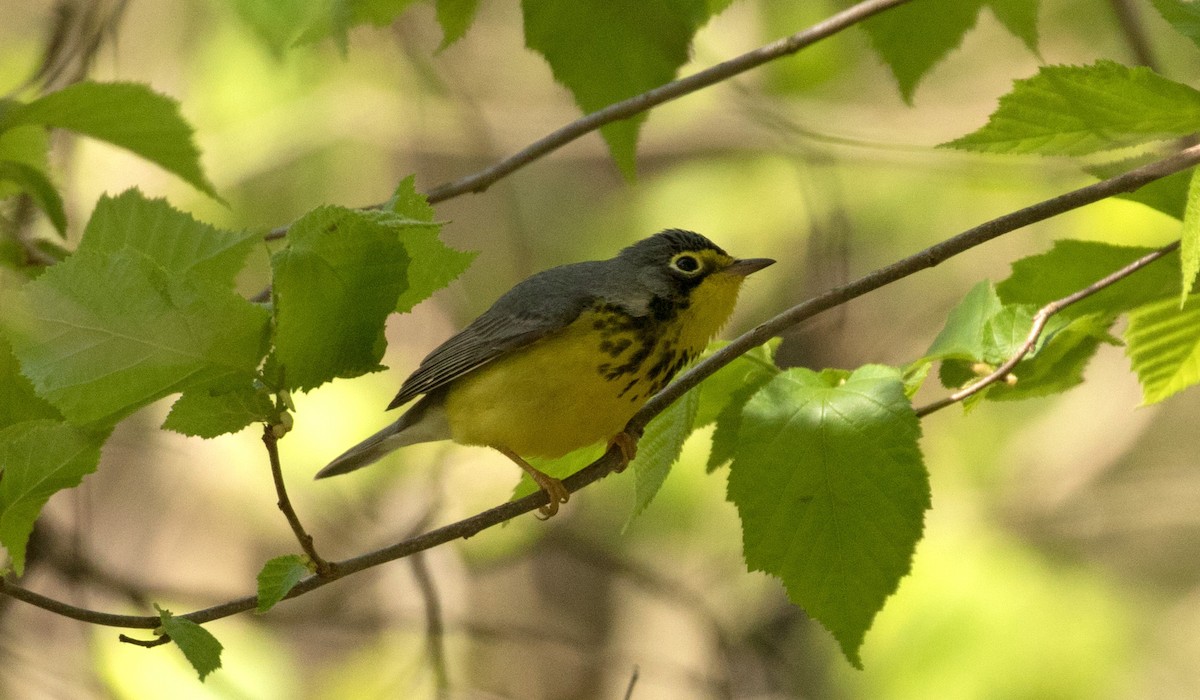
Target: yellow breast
x,y
583,384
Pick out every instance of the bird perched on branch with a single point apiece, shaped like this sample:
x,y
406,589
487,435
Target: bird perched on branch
x,y
566,357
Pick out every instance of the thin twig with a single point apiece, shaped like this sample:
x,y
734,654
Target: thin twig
x,y
285,505
1039,325
435,635
147,643
483,179
480,181
597,470
633,679
435,629
1130,21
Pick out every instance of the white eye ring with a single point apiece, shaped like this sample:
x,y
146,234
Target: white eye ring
x,y
687,264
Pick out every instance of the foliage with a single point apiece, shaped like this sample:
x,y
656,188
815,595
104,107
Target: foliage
x,y
825,467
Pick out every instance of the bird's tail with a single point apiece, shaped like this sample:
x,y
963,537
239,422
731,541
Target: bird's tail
x,y
424,422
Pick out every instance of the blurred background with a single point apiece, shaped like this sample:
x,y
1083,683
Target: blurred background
x,y
1061,556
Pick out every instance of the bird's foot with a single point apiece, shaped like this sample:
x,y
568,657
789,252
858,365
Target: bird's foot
x,y
553,487
627,444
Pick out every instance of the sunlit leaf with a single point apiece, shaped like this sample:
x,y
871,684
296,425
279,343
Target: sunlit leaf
x,y
199,646
1189,234
1073,265
129,115
101,335
1163,345
278,577
1076,110
831,489
659,449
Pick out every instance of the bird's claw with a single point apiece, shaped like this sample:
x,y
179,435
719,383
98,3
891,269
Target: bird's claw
x,y
555,490
627,444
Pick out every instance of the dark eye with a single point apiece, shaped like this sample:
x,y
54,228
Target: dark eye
x,y
687,264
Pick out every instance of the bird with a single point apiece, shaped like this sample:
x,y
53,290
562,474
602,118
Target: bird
x,y
566,357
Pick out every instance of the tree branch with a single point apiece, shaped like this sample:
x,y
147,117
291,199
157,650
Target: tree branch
x,y
930,257
597,470
1039,324
483,179
324,568
480,181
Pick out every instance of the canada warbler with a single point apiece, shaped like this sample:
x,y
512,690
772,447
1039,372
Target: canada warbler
x,y
566,357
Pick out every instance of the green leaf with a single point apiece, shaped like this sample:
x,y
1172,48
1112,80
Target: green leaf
x,y
659,449
963,336
1058,362
729,423
24,144
1076,110
1072,265
982,330
18,401
1166,194
39,188
407,202
101,335
455,17
39,458
143,309
605,51
209,412
337,17
753,368
277,23
940,24
199,646
278,577
1163,345
174,240
129,115
436,264
831,489
335,282
1019,17
1183,15
1189,234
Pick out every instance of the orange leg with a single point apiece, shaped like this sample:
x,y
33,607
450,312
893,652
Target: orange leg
x,y
553,487
627,444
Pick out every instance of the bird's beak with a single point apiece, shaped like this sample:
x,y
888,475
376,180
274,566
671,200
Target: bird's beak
x,y
749,265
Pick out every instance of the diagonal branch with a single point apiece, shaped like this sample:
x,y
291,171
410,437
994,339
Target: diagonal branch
x,y
480,181
597,470
930,257
483,179
1039,325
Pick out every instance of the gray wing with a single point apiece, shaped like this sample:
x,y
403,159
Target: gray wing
x,y
537,307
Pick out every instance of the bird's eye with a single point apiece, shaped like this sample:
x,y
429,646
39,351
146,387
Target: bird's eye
x,y
687,264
